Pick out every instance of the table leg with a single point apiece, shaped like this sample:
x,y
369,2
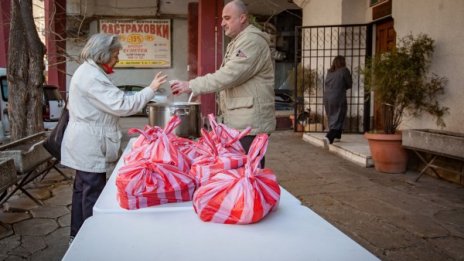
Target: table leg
x,y
23,182
61,172
5,226
19,185
38,202
3,194
427,165
47,169
52,164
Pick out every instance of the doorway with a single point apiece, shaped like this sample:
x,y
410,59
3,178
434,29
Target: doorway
x,y
385,41
319,45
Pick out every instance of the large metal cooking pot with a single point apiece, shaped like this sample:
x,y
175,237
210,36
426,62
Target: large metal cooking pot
x,y
159,114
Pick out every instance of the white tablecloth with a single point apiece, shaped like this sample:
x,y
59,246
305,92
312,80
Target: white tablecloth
x,y
291,232
107,202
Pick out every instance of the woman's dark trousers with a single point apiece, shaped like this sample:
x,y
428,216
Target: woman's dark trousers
x,y
86,190
334,134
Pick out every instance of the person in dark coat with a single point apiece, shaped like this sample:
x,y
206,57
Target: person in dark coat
x,y
338,81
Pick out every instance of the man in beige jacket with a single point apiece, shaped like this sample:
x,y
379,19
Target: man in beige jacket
x,y
246,77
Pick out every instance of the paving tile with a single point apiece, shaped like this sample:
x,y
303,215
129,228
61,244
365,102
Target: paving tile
x,y
376,207
368,228
420,225
364,228
33,243
20,202
430,186
5,231
309,189
59,237
9,243
14,258
49,212
388,180
452,219
316,201
57,243
62,189
13,217
35,227
63,199
37,184
50,254
452,246
420,251
449,198
20,252
303,187
409,205
40,193
387,214
55,177
65,221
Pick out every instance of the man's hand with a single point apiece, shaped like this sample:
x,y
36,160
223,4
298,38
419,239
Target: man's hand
x,y
179,87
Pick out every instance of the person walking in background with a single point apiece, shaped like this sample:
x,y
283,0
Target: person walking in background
x,y
338,80
91,142
246,77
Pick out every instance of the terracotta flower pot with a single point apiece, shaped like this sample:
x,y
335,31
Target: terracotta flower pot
x,y
388,154
292,119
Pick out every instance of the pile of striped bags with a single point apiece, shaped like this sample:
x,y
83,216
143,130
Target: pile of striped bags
x,y
225,184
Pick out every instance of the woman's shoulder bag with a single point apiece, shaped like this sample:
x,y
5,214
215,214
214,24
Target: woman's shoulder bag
x,y
53,142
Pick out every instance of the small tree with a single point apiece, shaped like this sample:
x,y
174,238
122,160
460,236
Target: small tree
x,y
25,72
305,80
304,86
401,82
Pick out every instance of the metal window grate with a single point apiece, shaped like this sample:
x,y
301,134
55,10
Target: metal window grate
x,y
316,46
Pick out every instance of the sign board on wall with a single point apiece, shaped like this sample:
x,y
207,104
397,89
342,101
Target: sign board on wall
x,y
146,43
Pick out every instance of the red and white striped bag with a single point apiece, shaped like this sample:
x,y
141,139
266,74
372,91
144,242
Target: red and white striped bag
x,y
239,196
158,148
188,147
143,184
142,146
149,133
214,159
147,136
225,137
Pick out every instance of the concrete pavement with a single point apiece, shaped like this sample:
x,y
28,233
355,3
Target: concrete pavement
x,y
389,214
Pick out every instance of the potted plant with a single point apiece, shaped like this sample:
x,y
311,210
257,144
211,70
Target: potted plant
x,y
402,84
305,84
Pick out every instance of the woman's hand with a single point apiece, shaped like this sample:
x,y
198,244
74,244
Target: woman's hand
x,y
159,79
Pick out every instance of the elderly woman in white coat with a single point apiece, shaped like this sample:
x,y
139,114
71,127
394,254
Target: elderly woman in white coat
x,y
91,142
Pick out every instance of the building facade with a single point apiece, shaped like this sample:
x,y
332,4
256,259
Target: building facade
x,y
394,19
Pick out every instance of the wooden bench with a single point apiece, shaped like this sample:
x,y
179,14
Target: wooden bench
x,y
8,178
31,160
437,143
